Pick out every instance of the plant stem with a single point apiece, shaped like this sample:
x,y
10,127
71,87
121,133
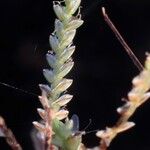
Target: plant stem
x,y
9,136
122,41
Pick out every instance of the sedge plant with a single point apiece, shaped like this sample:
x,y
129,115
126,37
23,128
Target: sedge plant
x,y
55,130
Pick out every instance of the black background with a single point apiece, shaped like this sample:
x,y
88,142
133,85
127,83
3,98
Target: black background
x,y
102,73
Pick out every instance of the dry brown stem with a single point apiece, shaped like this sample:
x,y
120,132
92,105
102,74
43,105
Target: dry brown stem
x,y
122,41
9,136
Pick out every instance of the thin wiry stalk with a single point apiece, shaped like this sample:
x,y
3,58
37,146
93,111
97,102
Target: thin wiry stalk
x,y
122,41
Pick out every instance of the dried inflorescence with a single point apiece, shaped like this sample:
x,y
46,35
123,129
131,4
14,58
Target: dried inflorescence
x,y
8,135
137,96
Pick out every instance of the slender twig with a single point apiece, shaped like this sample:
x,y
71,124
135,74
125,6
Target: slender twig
x,y
122,41
9,136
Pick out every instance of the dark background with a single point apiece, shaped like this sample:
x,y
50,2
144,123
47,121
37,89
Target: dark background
x,y
102,73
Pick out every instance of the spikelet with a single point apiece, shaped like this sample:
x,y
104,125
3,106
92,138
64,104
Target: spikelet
x,y
59,59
